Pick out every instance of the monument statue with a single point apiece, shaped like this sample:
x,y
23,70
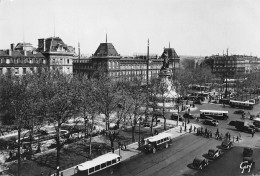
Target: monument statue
x,y
165,60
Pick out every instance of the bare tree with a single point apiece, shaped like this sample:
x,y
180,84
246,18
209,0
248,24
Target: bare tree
x,y
16,97
134,102
108,98
59,103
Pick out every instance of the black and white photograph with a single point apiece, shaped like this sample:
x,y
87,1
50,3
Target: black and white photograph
x,y
129,87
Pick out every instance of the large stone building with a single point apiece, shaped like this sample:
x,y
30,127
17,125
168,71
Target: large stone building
x,y
21,60
59,55
107,59
234,65
51,54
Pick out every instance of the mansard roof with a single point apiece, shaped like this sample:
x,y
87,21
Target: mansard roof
x,y
106,49
170,52
53,43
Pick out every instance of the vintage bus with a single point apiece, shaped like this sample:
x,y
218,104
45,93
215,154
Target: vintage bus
x,y
157,142
254,101
102,162
221,115
241,104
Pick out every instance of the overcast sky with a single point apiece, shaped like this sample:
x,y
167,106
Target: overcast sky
x,y
193,27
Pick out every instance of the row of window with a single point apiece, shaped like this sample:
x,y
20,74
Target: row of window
x,y
162,141
101,166
24,70
22,61
61,61
143,72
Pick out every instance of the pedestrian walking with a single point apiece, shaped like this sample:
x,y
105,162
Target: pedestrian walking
x,y
229,136
237,139
180,129
194,129
253,132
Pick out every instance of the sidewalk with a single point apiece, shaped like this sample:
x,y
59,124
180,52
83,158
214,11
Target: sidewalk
x,y
132,151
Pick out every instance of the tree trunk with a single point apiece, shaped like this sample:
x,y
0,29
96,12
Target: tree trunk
x,y
152,126
90,139
164,118
133,133
19,148
58,149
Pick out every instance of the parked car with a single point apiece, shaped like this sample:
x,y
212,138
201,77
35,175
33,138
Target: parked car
x,y
188,116
176,116
227,144
214,153
199,163
239,111
248,152
211,122
247,162
148,124
232,123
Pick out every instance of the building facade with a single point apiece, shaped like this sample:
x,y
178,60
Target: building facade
x,y
234,65
59,55
118,67
21,61
51,54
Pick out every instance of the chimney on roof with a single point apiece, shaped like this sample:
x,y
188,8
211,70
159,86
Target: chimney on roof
x,y
41,45
12,46
11,49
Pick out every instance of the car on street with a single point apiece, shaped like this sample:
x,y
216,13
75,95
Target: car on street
x,y
148,124
247,163
176,117
227,144
200,163
214,153
240,111
189,116
232,123
247,152
211,122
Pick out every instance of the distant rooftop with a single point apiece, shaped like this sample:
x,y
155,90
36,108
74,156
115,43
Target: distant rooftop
x,y
106,49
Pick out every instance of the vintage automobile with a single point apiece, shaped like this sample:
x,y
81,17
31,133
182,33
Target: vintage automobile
x,y
239,111
248,152
199,163
232,123
188,116
175,116
210,122
247,164
214,153
227,144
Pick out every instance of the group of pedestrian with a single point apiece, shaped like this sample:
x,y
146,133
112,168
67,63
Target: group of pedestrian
x,y
228,136
206,133
218,135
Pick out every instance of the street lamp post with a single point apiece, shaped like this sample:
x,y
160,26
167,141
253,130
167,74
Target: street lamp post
x,y
139,137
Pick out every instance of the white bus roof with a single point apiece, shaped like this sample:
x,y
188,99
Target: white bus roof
x,y
257,119
97,161
159,137
241,102
214,111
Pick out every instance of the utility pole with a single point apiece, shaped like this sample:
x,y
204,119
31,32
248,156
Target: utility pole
x,y
79,49
226,73
147,81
